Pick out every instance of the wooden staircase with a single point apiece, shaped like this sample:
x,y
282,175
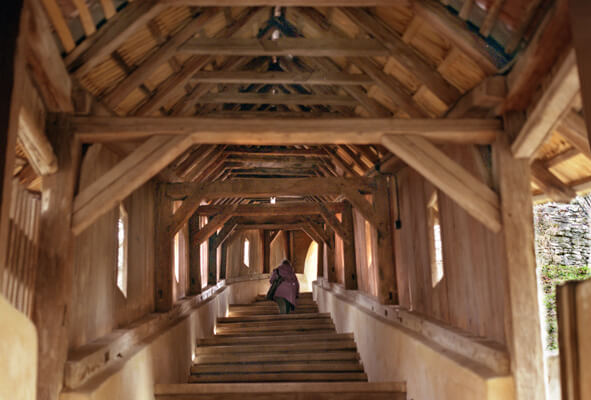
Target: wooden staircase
x,y
256,353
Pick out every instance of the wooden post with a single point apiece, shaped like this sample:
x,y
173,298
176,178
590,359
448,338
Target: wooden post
x,y
211,260
194,257
522,315
12,67
387,291
320,271
55,280
286,248
164,252
223,261
330,256
350,259
266,243
580,18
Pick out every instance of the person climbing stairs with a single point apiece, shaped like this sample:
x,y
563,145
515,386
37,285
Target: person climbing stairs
x,y
257,353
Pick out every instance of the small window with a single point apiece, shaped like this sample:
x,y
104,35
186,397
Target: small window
x,y
177,256
436,248
122,245
246,252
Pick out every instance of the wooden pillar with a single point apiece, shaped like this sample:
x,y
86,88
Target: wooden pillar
x,y
580,18
330,256
164,252
194,257
320,271
349,258
12,67
266,245
55,279
522,327
387,292
212,270
224,260
286,243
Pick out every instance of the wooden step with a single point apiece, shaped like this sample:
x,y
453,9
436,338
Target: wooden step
x,y
248,312
278,367
303,295
272,317
300,302
276,323
294,338
283,391
274,326
318,345
225,358
280,377
263,305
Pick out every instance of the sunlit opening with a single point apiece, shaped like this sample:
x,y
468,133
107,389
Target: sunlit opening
x,y
122,245
273,200
246,253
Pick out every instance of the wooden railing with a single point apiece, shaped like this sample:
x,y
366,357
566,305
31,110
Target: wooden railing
x,y
18,277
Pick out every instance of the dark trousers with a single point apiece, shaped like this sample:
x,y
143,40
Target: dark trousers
x,y
285,307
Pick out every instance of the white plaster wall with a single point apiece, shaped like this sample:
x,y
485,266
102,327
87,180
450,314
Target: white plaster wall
x,y
394,353
18,354
166,358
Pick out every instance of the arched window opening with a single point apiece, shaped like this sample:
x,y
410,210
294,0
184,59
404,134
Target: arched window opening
x,y
122,249
435,245
246,252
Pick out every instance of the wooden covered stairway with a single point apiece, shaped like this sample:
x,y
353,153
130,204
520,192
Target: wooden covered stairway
x,y
256,353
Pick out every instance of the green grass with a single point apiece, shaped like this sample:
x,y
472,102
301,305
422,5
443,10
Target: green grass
x,y
552,275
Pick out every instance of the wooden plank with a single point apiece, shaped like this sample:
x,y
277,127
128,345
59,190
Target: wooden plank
x,y
54,286
111,36
285,47
59,24
108,8
552,106
45,61
269,98
281,77
270,187
580,18
523,328
85,17
123,179
280,208
471,194
284,132
550,184
404,54
13,39
491,17
212,226
157,58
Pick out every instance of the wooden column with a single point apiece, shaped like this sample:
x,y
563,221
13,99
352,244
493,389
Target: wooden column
x,y
194,257
55,279
266,244
580,18
350,259
212,270
223,261
330,256
12,67
522,327
320,271
286,242
164,252
387,292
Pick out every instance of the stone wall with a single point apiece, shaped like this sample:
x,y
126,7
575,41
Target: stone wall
x,y
563,232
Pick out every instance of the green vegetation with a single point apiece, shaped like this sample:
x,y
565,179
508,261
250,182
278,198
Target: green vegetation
x,y
550,276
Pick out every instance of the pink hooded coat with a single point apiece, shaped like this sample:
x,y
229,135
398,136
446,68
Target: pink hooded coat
x,y
289,289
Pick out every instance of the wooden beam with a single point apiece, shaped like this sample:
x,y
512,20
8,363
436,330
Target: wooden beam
x,y
363,206
270,226
266,247
488,95
336,225
164,253
44,59
132,172
405,54
523,318
212,278
269,98
386,265
284,132
285,47
13,40
468,192
111,36
550,184
580,18
212,226
281,208
183,213
54,287
552,106
572,128
308,230
225,233
157,58
271,187
280,77
349,256
273,152
194,257
59,23
285,3
331,273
